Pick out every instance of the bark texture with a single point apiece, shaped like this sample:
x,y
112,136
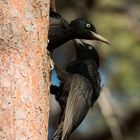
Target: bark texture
x,y
24,69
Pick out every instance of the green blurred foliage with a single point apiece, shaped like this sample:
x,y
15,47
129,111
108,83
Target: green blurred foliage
x,y
123,55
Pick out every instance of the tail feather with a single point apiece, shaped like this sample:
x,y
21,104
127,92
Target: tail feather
x,y
58,133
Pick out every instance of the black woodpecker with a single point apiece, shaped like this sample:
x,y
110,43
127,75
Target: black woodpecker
x,y
60,31
79,89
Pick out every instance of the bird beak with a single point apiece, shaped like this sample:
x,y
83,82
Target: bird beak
x,y
78,41
100,38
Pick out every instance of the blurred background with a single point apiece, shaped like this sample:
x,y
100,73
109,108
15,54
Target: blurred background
x,y
116,115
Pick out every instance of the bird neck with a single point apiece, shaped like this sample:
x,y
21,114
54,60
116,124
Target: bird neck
x,y
72,33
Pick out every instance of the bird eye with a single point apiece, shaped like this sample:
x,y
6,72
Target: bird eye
x,y
88,25
90,47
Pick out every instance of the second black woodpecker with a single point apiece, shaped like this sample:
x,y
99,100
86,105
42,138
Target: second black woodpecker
x,y
79,89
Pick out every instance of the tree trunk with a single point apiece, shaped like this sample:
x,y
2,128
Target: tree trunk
x,y
24,70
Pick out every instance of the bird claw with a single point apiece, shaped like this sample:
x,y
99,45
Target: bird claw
x,y
51,64
51,61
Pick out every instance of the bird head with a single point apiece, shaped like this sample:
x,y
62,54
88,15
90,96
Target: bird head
x,y
83,29
86,51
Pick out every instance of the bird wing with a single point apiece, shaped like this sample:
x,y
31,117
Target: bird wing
x,y
57,31
95,78
57,24
77,105
55,18
57,135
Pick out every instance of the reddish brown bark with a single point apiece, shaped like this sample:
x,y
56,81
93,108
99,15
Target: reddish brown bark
x,y
24,70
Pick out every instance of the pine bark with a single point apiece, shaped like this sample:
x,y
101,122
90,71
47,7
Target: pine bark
x,y
24,69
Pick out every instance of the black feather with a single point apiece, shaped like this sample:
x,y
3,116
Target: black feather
x,y
79,90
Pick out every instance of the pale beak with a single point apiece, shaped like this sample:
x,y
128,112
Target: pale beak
x,y
78,41
100,38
